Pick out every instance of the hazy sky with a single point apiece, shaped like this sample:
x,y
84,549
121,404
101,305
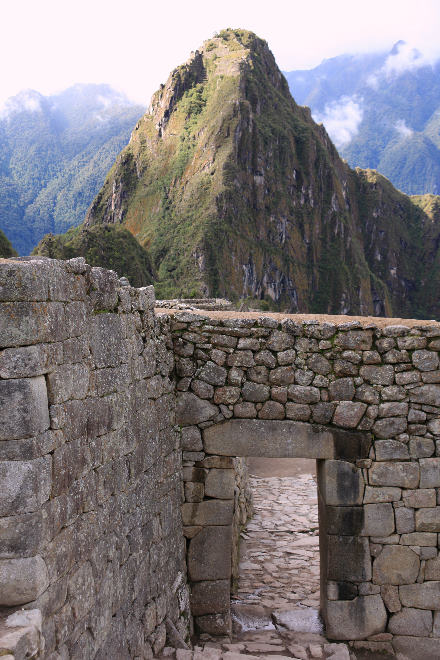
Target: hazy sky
x,y
48,45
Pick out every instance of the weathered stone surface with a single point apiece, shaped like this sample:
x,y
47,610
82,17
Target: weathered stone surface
x,y
226,395
341,389
424,539
255,392
411,621
28,361
69,381
210,597
348,559
385,494
360,340
23,407
282,376
202,389
209,554
23,323
340,483
191,439
298,411
246,410
429,472
192,410
420,447
213,374
378,520
405,475
22,580
428,520
240,359
322,412
390,596
279,341
349,413
420,498
396,565
25,485
378,375
427,394
425,596
355,619
416,647
432,569
107,340
270,438
405,520
390,426
208,512
425,360
319,364
215,624
220,484
272,410
390,450
303,394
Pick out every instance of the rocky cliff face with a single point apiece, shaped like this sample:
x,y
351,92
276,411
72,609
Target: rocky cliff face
x,y
236,191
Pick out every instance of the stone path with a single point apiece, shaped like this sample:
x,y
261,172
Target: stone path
x,y
275,610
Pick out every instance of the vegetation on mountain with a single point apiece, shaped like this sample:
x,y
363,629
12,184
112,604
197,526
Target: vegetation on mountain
x,y
54,154
102,245
6,249
393,118
235,191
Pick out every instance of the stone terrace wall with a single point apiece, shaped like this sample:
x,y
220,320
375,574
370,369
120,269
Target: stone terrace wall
x,y
90,467
366,399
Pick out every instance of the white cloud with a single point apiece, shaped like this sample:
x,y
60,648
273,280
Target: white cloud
x,y
342,118
403,58
401,127
27,100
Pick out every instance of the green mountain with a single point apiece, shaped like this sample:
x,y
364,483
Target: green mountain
x,y
54,154
236,192
382,110
6,249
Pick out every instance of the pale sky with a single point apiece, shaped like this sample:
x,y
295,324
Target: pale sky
x,y
48,45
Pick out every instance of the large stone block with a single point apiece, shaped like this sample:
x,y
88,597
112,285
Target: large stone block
x,y
348,414
340,483
208,512
411,621
23,535
426,394
303,394
25,485
213,374
220,484
390,426
429,472
378,520
428,520
25,280
355,619
28,361
210,597
383,375
107,340
23,407
270,438
432,569
385,494
360,340
341,389
425,596
192,410
24,323
209,554
416,647
425,360
348,559
397,565
69,381
22,580
405,475
390,450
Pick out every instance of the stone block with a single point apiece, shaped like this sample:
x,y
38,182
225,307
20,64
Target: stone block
x,y
344,520
272,410
425,596
209,554
390,426
25,485
103,289
390,450
208,512
432,569
258,374
220,484
423,539
405,521
191,410
241,359
216,624
245,410
378,519
423,497
286,357
298,411
384,494
213,374
255,392
28,361
304,376
411,621
390,596
425,360
194,491
210,597
396,565
280,341
24,323
428,520
22,580
23,407
322,412
340,483
355,619
303,394
201,389
416,647
360,340
270,438
68,381
429,472
81,590
191,439
25,280
420,447
341,389
426,394
265,358
348,559
319,364
282,376
405,475
383,375
107,340
349,413
226,395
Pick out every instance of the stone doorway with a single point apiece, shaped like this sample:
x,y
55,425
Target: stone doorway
x,y
345,558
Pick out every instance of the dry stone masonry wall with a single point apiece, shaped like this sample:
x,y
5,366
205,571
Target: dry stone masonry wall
x,y
363,400
90,468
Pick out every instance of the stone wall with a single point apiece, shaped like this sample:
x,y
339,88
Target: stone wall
x,y
365,401
90,467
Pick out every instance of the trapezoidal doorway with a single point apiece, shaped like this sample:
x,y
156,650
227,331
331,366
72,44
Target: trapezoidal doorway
x,y
350,605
